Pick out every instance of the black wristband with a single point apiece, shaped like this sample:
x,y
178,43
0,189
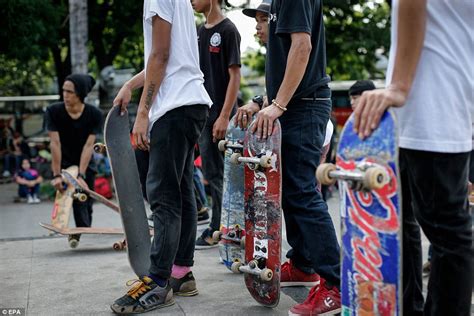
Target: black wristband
x,y
57,176
259,100
81,175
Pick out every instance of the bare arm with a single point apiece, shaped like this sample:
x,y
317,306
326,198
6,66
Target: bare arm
x,y
155,72
411,34
55,145
125,94
86,154
296,64
233,87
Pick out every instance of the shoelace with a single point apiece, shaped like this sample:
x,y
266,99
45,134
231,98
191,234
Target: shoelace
x,y
138,289
316,291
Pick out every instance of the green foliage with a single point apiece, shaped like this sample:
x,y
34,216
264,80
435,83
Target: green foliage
x,y
353,34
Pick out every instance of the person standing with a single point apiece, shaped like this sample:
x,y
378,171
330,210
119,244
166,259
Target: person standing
x,y
219,55
429,82
171,115
72,127
299,96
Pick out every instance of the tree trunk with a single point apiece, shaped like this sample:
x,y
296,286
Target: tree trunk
x,y
78,34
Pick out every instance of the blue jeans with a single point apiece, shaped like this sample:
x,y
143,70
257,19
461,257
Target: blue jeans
x,y
309,227
170,187
24,190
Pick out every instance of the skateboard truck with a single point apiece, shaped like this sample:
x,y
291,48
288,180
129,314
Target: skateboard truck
x,y
254,267
368,176
253,162
225,144
234,235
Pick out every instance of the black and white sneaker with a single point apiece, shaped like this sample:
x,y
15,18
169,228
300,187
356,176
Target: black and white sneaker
x,y
203,216
205,241
186,286
144,296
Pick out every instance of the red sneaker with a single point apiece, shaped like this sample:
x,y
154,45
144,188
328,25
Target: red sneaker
x,y
292,276
320,301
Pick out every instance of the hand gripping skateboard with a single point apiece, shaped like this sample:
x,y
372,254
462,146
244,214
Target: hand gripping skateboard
x,y
262,217
63,201
128,190
232,231
367,170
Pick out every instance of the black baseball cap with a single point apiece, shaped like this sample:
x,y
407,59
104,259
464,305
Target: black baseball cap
x,y
264,7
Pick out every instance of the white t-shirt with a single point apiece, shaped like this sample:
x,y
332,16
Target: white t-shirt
x,y
440,107
183,83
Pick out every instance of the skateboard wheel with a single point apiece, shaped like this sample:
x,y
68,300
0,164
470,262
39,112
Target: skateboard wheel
x,y
374,178
242,242
234,158
99,148
266,274
81,197
322,173
73,243
216,236
222,144
119,245
235,267
265,161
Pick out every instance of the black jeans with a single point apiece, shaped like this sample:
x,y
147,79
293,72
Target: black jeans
x,y
213,170
435,193
170,188
83,210
310,230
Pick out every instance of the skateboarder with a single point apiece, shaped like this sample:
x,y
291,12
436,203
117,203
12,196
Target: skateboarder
x,y
219,55
170,117
430,81
72,127
298,93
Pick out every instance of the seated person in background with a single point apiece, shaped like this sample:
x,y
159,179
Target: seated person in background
x,y
29,181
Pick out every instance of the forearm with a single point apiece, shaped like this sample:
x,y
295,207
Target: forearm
x,y
410,38
297,62
86,156
231,95
137,81
56,158
155,72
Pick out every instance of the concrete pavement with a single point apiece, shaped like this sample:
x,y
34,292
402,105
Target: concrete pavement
x,y
43,275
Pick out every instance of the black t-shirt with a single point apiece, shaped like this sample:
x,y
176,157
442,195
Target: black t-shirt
x,y
73,134
289,17
219,48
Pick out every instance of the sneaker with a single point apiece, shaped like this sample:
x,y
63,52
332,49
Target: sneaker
x,y
74,240
36,200
205,241
203,216
29,199
320,301
144,296
186,286
292,276
6,174
426,268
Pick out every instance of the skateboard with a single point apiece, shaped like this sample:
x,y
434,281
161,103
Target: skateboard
x,y
69,178
262,205
232,232
120,245
128,190
371,219
63,201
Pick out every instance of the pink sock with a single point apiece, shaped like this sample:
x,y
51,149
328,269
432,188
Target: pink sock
x,y
178,272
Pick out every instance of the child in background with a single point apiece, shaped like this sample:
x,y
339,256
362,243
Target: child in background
x,y
29,181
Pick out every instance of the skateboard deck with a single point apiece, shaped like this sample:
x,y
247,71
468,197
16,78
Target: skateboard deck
x,y
69,178
128,190
63,202
262,196
371,219
232,219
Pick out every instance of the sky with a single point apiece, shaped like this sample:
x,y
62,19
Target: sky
x,y
246,27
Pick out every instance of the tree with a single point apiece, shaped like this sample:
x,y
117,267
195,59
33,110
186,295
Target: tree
x,y
78,30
